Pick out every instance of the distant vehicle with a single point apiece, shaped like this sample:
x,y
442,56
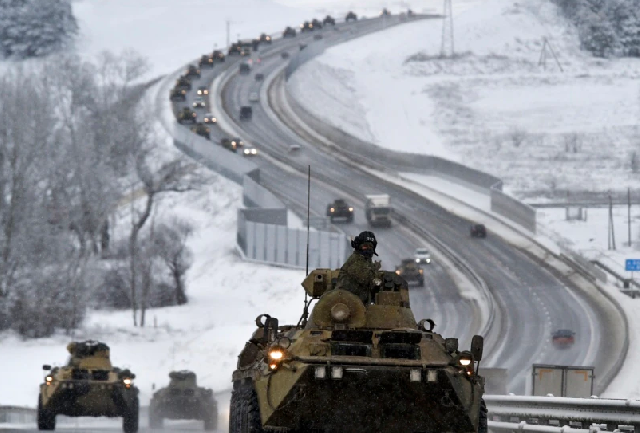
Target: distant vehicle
x,y
246,112
237,142
284,54
245,68
209,119
234,50
385,12
339,209
218,56
260,77
351,17
254,97
192,71
186,115
198,102
563,338
183,399
410,12
202,90
422,255
228,144
378,210
265,38
178,95
248,45
206,61
183,83
316,24
478,231
289,32
306,27
201,130
249,151
294,148
411,272
329,20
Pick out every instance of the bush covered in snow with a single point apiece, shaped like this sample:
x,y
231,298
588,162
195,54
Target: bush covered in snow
x,y
605,28
35,28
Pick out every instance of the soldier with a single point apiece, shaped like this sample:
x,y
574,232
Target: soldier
x,y
358,272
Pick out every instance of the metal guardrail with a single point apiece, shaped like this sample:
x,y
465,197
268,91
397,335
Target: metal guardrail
x,y
580,413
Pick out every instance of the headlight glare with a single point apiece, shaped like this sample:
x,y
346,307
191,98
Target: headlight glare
x,y
321,372
336,372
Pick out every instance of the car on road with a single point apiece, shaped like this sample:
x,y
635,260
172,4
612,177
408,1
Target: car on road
x,y
198,102
259,77
202,90
422,255
351,16
246,112
209,119
563,338
289,32
193,71
254,97
245,68
249,151
478,231
411,272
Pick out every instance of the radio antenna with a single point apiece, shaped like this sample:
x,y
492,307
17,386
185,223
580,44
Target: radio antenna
x,y
305,314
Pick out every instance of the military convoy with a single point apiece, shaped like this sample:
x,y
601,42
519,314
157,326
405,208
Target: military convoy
x,y
89,385
352,367
183,399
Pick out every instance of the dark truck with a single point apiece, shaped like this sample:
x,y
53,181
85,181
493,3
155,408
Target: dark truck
x,y
478,231
246,112
411,272
339,209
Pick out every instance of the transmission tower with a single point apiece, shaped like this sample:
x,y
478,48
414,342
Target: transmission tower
x,y
447,30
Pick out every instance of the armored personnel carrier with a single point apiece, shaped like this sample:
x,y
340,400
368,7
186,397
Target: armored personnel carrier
x,y
202,130
356,367
183,399
183,83
88,386
411,272
186,115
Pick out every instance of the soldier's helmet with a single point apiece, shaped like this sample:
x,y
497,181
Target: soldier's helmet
x,y
366,243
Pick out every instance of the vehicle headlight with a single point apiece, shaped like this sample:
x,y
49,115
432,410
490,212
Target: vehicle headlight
x,y
428,260
246,151
49,379
127,382
398,272
214,119
417,260
254,151
206,92
194,114
275,357
350,209
199,92
420,271
333,210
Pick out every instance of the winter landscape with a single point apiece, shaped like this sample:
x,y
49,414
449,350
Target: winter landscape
x,y
552,128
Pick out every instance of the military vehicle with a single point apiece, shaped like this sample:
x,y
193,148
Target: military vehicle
x,y
289,32
192,71
202,130
385,12
88,386
218,56
186,115
411,271
265,38
306,26
478,231
340,209
329,20
235,49
183,399
183,83
316,24
228,144
246,112
356,367
178,95
351,17
206,61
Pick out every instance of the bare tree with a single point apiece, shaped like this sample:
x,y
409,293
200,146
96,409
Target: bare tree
x,y
171,246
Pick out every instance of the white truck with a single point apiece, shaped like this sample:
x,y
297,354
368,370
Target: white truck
x,y
378,210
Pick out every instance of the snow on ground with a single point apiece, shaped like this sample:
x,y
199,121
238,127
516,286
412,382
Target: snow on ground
x,y
493,106
171,34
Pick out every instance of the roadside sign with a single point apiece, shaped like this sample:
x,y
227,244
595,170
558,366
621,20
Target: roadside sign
x,y
632,265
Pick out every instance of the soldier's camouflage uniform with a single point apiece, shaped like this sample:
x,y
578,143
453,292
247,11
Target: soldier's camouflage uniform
x,y
357,274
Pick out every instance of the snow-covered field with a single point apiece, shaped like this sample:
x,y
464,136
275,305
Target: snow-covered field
x,y
493,106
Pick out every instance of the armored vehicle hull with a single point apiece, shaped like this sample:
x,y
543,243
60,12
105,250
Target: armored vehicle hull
x,y
357,367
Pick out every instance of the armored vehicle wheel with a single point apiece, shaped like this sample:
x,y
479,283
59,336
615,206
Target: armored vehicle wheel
x,y
482,418
46,419
210,420
245,411
130,419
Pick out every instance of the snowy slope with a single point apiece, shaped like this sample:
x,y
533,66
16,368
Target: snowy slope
x,y
492,101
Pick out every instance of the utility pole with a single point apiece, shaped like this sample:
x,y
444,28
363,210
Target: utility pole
x,y
447,30
228,30
629,213
612,235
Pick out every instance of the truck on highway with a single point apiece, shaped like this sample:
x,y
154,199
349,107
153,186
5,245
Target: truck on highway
x,y
378,210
